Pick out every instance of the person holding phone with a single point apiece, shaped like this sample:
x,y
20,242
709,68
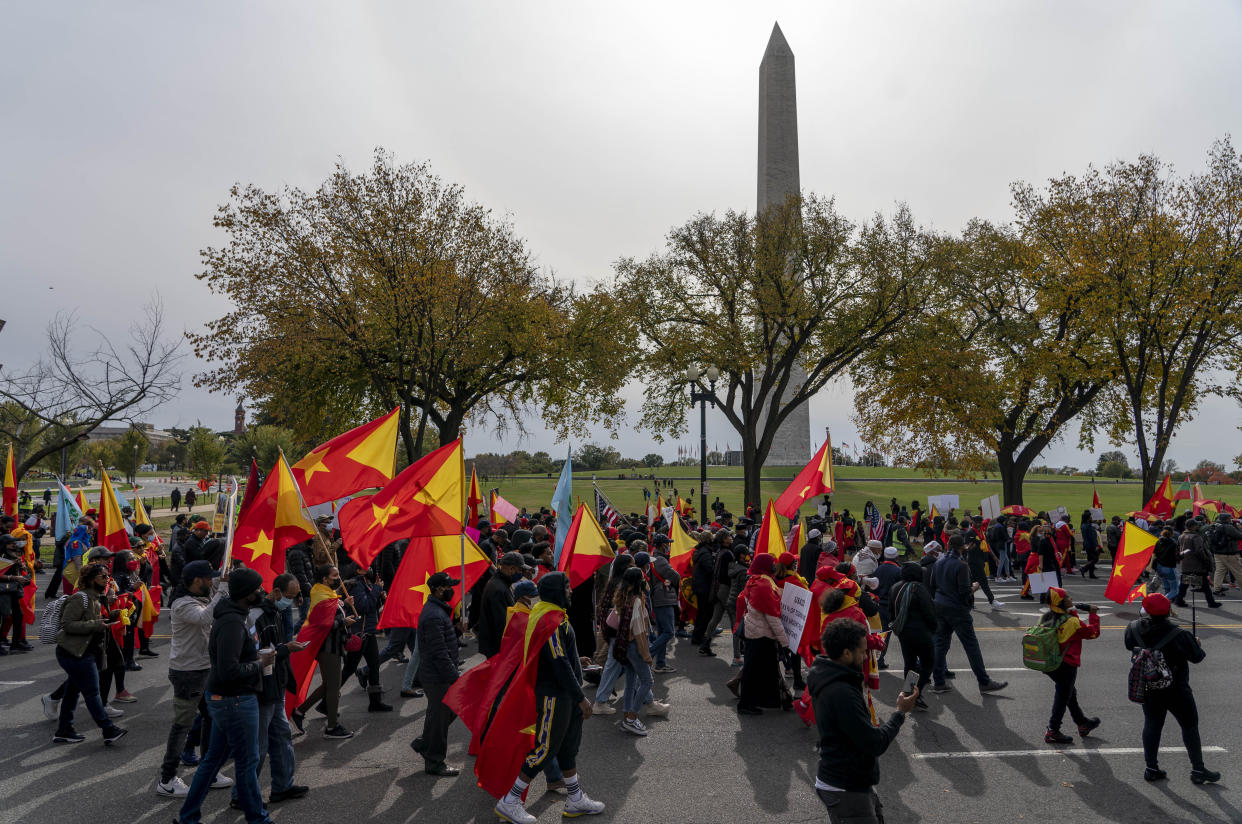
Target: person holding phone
x,y
1071,632
850,745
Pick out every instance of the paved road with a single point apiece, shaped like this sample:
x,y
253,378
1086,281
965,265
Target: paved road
x,y
972,758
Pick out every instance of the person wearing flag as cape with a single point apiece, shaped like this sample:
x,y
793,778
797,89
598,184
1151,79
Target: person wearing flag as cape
x,y
545,692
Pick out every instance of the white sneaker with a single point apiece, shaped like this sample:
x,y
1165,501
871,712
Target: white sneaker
x,y
176,788
602,709
633,726
513,811
659,708
113,712
221,782
51,709
998,605
583,806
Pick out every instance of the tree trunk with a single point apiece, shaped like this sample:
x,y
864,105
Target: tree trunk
x,y
450,429
1011,478
752,468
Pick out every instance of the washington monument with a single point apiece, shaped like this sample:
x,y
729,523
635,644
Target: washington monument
x,y
778,178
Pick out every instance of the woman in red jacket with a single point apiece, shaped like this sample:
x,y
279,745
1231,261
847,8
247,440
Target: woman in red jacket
x,y
1071,632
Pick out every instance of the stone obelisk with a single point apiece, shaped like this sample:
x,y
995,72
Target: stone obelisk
x,y
778,178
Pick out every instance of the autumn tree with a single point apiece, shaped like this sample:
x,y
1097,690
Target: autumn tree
x,y
206,452
781,303
1161,257
263,443
389,288
999,360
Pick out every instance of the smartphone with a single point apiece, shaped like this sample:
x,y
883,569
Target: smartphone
x,y
912,680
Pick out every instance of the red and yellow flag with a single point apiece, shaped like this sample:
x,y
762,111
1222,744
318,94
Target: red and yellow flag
x,y
1161,503
586,548
81,499
1095,499
814,479
10,486
474,498
424,557
273,522
771,538
359,459
1132,557
141,517
428,498
111,526
681,547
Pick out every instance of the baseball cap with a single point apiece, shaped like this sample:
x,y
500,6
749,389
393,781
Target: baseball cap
x,y
198,569
525,589
513,559
442,579
659,540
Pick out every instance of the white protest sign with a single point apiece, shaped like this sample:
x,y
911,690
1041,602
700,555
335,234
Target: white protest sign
x,y
990,507
1059,514
1097,514
943,503
1041,581
795,604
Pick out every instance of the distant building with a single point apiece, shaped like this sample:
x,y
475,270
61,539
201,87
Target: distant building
x,y
156,437
239,419
733,457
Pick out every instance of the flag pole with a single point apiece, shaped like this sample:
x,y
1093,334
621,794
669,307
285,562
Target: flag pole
x,y
229,526
461,435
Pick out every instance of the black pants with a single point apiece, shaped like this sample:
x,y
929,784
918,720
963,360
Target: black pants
x,y
436,723
188,704
369,651
702,617
558,734
1201,585
1179,701
1093,557
852,808
476,599
918,654
983,584
1065,696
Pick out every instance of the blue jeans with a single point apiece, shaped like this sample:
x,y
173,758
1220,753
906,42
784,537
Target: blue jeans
x,y
234,734
608,678
1168,579
665,617
411,668
399,637
952,621
83,680
637,680
276,740
291,629
1003,563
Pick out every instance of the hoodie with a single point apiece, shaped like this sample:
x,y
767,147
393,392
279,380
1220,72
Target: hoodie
x,y
235,668
849,744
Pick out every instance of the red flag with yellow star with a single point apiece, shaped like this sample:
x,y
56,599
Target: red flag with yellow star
x,y
10,486
1161,503
814,479
273,522
428,498
359,459
111,525
1132,557
423,558
474,498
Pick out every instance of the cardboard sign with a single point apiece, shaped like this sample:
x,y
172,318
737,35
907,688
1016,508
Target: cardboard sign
x,y
990,507
1097,515
1059,514
1042,581
943,503
795,604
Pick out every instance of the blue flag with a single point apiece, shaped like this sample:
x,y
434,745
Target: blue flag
x,y
562,504
67,513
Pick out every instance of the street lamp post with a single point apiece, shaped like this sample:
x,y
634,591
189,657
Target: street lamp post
x,y
703,398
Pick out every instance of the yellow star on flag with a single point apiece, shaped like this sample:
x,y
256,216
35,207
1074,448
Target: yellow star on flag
x,y
317,465
1117,570
423,588
262,545
382,514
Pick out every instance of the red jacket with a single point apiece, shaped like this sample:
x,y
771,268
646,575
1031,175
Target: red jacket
x,y
1072,633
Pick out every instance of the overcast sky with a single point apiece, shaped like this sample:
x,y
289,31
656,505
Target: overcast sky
x,y
596,126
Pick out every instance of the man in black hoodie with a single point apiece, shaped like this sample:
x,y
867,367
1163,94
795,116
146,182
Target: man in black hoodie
x,y
233,686
849,744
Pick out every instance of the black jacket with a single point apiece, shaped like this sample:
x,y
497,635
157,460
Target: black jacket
x,y
437,644
269,628
1165,552
298,564
950,585
704,569
888,573
210,550
558,672
849,744
235,666
497,598
1222,538
1196,558
366,603
808,558
921,614
1180,652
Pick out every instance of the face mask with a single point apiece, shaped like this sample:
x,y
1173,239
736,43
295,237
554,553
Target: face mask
x,y
132,566
284,603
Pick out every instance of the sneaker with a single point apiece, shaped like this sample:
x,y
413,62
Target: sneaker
x,y
950,674
221,782
441,769
1204,776
337,732
113,712
513,812
746,709
602,709
113,735
998,605
993,686
51,708
633,726
294,791
189,758
1057,737
681,633
1154,774
659,709
665,668
1085,728
124,697
583,806
133,666
707,652
148,653
70,737
175,788
558,787
22,646
719,631
941,688
412,693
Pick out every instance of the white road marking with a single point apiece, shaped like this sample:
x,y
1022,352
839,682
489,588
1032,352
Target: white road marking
x,y
1038,753
15,683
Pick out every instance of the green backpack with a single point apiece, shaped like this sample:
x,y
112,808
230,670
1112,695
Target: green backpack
x,y
1041,651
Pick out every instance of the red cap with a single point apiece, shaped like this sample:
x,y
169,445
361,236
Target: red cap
x,y
787,559
1156,604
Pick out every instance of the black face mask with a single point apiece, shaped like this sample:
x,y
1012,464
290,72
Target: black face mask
x,y
445,594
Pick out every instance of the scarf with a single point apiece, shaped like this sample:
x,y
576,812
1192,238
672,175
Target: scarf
x,y
321,592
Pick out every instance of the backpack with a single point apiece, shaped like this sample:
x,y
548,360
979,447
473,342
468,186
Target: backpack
x,y
1041,650
49,622
902,615
1217,540
1149,670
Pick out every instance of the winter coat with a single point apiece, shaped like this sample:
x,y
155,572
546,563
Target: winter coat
x,y
497,598
665,582
367,604
80,623
1179,653
437,644
704,569
298,564
269,630
1196,559
235,668
849,744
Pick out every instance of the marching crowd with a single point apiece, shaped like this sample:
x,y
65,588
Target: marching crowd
x,y
898,584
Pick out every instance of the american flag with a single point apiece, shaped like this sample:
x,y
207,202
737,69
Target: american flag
x,y
876,524
604,509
